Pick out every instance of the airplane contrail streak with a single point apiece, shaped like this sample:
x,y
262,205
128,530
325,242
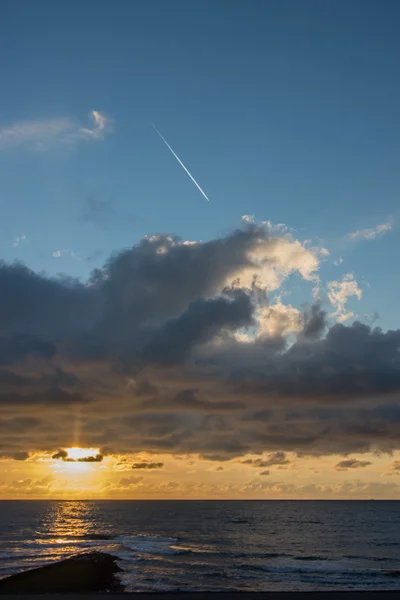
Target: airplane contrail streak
x,y
181,163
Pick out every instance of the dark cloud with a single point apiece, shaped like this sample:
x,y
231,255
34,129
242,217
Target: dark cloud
x,y
351,463
216,457
17,347
60,455
189,400
151,354
35,310
202,321
15,455
19,425
51,396
350,361
148,465
275,458
314,322
96,458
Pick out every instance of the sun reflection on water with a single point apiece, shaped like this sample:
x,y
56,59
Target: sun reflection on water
x,y
68,523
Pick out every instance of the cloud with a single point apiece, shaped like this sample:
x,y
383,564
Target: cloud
x,y
202,321
60,455
371,233
70,253
339,292
41,135
371,318
351,463
20,456
26,487
314,322
275,458
51,395
279,319
19,239
347,489
17,347
171,347
148,465
91,459
130,482
100,124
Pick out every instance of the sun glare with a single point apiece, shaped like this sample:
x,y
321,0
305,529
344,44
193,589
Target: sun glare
x,y
77,453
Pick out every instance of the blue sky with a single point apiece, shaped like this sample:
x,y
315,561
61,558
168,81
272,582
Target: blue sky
x,y
287,110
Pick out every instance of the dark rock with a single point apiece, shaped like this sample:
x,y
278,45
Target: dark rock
x,y
90,572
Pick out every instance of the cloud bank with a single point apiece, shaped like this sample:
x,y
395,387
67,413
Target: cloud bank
x,y
177,347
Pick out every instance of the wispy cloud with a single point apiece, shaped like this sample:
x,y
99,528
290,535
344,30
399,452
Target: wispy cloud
x,y
71,253
19,239
100,125
41,134
372,233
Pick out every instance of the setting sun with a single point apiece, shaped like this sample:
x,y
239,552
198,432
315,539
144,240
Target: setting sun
x,y
79,453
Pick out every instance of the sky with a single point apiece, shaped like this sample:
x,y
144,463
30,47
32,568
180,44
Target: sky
x,y
199,240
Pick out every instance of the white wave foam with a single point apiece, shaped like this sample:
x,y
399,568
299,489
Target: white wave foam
x,y
148,544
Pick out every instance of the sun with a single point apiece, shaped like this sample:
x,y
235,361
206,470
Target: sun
x,y
75,459
79,453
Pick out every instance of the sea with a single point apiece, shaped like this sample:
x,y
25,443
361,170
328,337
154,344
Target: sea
x,y
214,545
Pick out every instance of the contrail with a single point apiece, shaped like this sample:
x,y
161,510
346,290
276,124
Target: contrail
x,y
181,163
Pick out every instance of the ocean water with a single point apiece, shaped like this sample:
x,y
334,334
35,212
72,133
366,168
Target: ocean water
x,y
214,545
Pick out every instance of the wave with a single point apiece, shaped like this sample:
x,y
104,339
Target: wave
x,y
240,521
338,570
148,544
364,557
311,558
